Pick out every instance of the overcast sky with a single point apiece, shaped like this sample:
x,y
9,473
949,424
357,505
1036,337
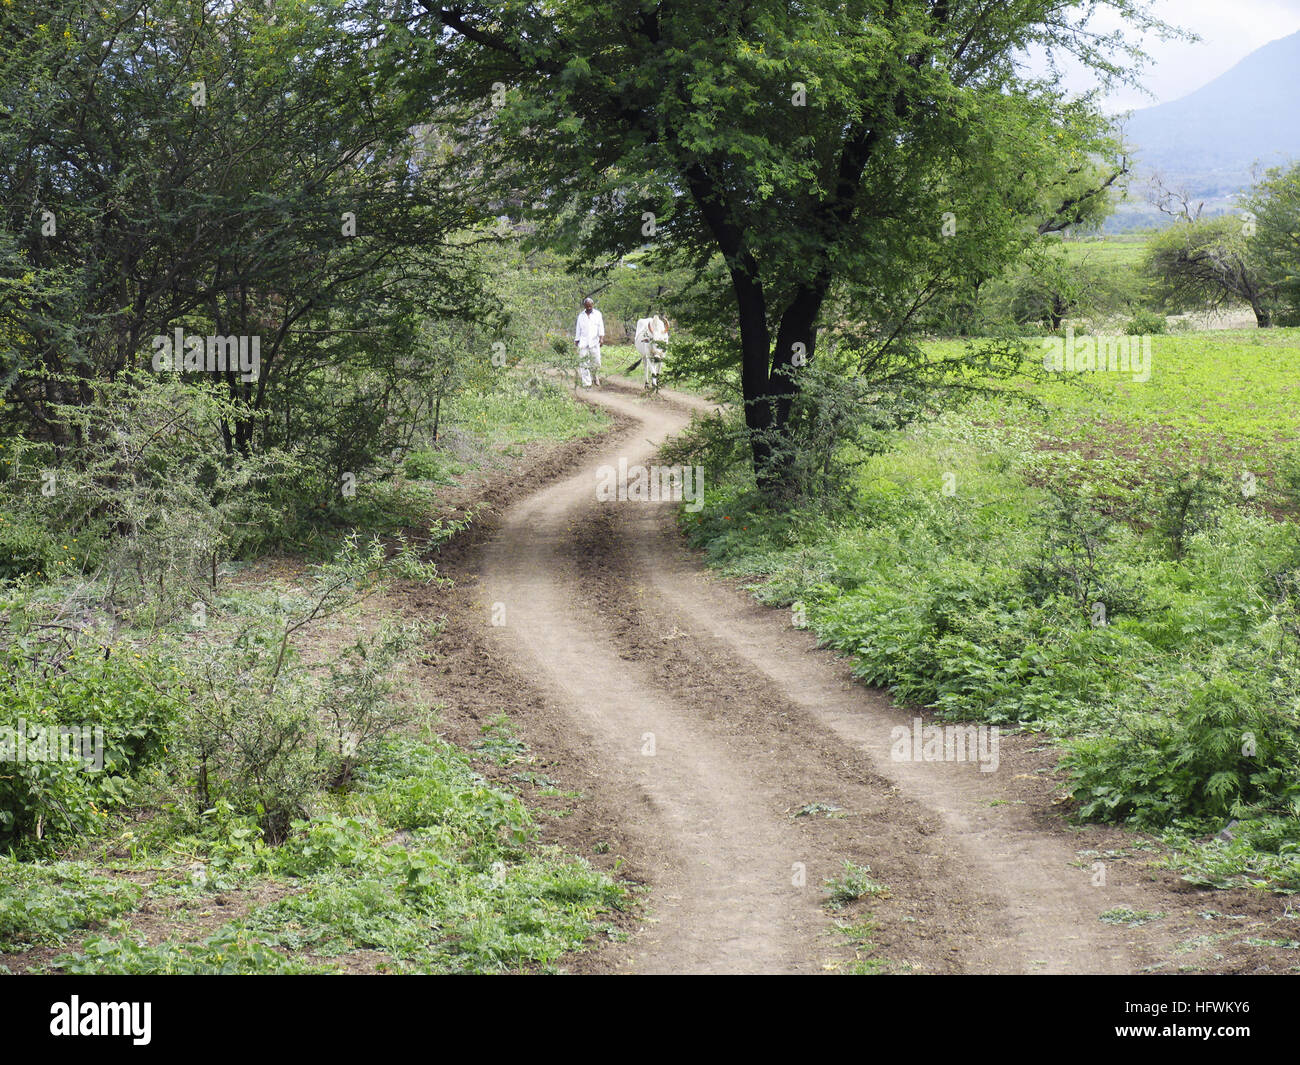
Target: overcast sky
x,y
1229,31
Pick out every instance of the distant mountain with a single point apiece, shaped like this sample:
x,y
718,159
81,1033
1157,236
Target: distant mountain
x,y
1209,140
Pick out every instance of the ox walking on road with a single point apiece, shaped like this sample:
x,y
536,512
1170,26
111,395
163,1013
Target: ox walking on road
x,y
651,335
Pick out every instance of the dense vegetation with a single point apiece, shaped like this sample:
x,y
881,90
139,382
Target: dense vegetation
x,y
402,342
237,760
866,266
1115,563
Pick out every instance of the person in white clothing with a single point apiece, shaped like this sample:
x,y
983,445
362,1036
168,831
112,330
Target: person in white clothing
x,y
587,337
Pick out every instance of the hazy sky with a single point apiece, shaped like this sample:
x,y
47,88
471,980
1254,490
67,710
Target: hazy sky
x,y
1229,30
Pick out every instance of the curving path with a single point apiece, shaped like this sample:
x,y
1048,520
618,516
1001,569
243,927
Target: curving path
x,y
713,722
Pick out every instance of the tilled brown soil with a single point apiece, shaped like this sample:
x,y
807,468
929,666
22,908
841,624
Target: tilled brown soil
x,y
697,725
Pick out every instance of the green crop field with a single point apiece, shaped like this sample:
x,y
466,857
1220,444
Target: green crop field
x,y
1227,399
1126,250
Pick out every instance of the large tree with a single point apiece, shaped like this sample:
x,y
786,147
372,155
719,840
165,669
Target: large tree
x,y
1201,263
1275,206
223,169
879,150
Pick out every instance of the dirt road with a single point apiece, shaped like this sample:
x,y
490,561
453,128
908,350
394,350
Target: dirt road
x,y
734,768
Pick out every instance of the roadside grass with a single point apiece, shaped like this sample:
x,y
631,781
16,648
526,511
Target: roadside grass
x,y
853,884
843,896
1102,570
1126,916
860,933
420,865
521,406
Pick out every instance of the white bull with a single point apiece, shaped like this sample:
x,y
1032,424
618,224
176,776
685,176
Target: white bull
x,y
651,334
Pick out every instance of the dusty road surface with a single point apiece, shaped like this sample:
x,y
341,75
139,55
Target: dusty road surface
x,y
734,768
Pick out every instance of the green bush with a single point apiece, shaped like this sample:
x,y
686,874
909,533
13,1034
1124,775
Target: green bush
x,y
133,696
427,465
26,549
1145,323
149,498
262,733
1224,745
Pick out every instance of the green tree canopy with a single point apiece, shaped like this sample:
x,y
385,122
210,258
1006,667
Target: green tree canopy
x,y
1207,262
1275,204
877,151
231,169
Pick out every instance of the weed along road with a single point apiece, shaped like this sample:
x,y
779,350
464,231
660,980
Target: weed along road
x,y
743,767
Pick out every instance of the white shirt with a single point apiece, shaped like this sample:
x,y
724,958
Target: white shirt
x,y
590,329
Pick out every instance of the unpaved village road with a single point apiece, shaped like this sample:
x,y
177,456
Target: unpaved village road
x,y
697,723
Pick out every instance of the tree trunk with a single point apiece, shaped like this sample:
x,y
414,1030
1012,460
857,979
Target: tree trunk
x,y
796,340
767,395
1056,312
770,378
755,351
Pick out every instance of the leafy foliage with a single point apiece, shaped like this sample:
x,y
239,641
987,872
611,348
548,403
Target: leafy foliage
x,y
462,888
793,157
56,676
334,238
46,903
965,572
1275,207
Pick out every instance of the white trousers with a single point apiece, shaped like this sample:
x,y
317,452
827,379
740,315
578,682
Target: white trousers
x,y
588,362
